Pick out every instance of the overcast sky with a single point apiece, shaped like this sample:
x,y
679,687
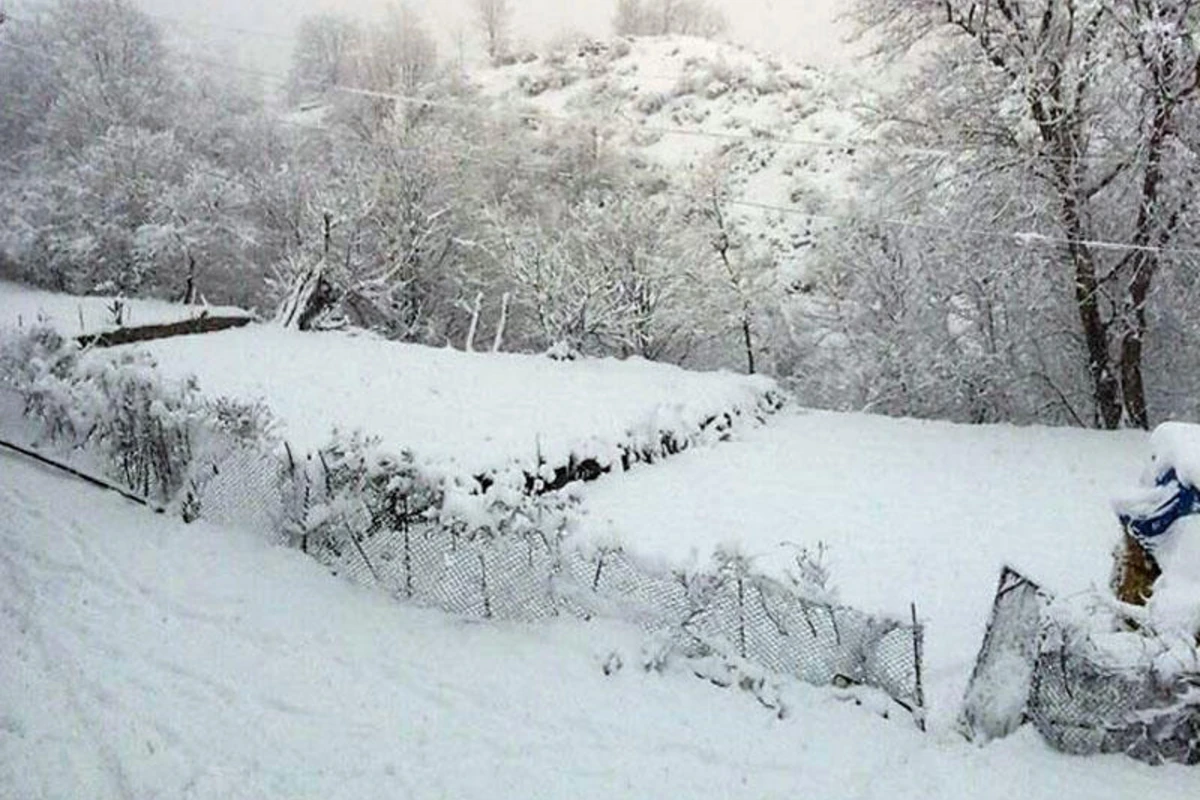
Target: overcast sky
x,y
803,29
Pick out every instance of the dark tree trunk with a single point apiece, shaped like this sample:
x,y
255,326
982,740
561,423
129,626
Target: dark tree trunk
x,y
1096,335
1145,264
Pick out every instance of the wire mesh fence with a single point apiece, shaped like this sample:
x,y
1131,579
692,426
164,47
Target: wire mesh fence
x,y
995,702
1035,667
531,575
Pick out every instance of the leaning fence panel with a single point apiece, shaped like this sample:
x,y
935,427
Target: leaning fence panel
x,y
1095,683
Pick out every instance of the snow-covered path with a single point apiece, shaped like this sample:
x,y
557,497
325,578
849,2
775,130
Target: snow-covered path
x,y
143,658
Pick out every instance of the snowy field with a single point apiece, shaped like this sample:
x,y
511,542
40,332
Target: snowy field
x,y
73,315
142,658
910,511
467,413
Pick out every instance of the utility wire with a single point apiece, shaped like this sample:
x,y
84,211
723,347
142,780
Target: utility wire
x,y
535,115
941,150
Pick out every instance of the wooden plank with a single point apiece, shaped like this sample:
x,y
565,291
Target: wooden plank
x,y
147,333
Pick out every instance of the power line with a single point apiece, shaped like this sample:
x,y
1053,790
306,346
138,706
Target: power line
x,y
941,150
537,115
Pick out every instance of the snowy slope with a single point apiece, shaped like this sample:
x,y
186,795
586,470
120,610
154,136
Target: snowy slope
x,y
142,658
23,306
910,511
467,413
781,131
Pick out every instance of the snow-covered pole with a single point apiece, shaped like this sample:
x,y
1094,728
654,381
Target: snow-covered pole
x,y
918,634
499,339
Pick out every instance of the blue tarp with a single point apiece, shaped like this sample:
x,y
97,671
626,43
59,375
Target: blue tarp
x,y
1182,501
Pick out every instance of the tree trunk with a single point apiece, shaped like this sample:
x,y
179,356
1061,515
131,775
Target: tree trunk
x,y
1145,265
749,341
1105,386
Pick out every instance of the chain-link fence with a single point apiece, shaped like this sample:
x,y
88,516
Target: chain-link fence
x,y
1034,667
529,575
995,702
1081,706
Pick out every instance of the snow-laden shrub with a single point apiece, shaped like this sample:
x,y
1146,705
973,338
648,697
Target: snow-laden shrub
x,y
148,432
353,490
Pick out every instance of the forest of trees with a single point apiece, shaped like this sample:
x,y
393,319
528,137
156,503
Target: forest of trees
x,y
130,169
1024,247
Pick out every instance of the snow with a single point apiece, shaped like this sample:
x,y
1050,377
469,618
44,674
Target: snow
x,y
910,511
1174,445
464,413
144,658
261,32
1174,605
74,315
1000,701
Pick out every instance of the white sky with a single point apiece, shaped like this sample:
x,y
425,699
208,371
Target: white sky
x,y
805,30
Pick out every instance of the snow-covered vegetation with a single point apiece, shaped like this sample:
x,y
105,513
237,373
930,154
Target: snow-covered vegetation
x,y
482,293
943,243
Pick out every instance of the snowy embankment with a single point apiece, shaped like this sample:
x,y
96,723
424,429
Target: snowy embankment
x,y
464,413
145,658
910,512
76,315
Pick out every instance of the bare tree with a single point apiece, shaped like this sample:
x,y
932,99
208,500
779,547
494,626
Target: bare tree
x,y
327,48
494,18
663,17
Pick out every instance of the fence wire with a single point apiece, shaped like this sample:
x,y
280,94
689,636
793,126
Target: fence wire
x,y
1032,669
529,578
725,609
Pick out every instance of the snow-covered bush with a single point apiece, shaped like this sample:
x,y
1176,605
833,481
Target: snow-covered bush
x,y
354,490
149,432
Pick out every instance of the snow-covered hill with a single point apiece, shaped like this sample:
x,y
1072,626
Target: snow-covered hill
x,y
259,33
778,136
461,413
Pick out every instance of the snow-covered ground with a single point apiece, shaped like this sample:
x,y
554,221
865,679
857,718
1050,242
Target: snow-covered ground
x,y
73,315
467,413
143,658
910,511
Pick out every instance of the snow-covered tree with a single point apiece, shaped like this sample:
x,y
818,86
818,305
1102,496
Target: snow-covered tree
x,y
663,17
1086,101
326,54
494,18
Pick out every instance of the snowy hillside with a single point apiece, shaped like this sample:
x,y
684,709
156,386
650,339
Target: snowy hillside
x,y
260,33
144,658
778,135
